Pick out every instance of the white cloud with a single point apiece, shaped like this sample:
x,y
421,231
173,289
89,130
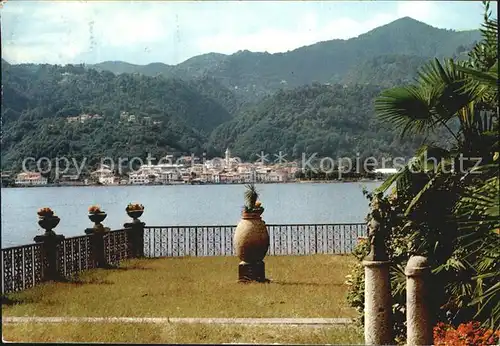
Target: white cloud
x,y
308,31
424,11
66,32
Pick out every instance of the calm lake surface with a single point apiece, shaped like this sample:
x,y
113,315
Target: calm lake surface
x,y
176,205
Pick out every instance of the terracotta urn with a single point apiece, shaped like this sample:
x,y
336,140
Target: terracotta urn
x,y
251,239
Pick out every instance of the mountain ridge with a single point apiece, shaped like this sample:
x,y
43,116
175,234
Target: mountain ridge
x,y
256,74
404,20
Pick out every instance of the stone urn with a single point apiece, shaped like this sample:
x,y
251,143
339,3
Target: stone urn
x,y
251,242
97,218
135,214
48,223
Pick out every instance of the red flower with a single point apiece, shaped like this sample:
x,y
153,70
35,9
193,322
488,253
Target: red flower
x,y
95,209
466,334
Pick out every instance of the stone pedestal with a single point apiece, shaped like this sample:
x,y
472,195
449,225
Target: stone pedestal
x,y
418,319
135,234
248,272
97,245
378,309
50,251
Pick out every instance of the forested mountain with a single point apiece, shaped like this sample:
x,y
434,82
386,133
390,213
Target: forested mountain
x,y
330,120
385,70
37,103
313,99
194,67
256,74
185,117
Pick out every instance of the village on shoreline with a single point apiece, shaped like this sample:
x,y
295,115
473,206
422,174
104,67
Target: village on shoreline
x,y
229,170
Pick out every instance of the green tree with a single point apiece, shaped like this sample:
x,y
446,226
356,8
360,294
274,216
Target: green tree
x,y
447,208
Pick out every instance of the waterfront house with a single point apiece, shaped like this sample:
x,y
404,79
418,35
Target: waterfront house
x,y
30,179
140,177
261,174
6,174
70,179
104,175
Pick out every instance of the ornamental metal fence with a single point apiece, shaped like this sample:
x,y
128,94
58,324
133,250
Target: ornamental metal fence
x,y
22,267
297,239
28,265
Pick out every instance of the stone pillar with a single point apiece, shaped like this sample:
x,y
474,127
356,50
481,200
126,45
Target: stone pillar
x,y
97,239
418,318
50,247
50,251
98,250
135,234
378,307
378,299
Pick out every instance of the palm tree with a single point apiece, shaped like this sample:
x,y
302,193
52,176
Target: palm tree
x,y
452,212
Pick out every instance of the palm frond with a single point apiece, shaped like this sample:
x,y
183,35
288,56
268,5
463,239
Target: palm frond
x,y
482,85
407,109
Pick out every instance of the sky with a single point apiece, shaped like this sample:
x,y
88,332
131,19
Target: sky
x,y
142,32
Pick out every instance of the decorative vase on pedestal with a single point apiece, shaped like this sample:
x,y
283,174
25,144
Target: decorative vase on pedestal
x,y
97,219
97,216
135,230
135,215
48,223
251,240
50,240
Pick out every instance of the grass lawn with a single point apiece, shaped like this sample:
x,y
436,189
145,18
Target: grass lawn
x,y
302,286
179,333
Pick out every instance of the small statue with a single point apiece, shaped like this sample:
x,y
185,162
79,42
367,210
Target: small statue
x,y
378,220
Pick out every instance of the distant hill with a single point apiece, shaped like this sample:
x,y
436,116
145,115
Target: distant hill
x,y
254,74
191,68
170,114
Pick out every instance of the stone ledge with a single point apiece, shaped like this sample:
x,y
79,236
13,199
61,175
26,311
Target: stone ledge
x,y
163,320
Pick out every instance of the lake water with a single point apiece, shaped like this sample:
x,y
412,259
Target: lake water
x,y
177,205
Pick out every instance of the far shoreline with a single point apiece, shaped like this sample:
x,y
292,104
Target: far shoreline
x,y
202,184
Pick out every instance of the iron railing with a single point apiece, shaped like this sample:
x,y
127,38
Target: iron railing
x,y
23,266
116,246
298,239
75,255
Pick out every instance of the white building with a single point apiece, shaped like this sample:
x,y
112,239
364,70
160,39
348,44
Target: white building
x,y
104,175
386,171
216,164
138,178
167,177
163,173
247,172
30,179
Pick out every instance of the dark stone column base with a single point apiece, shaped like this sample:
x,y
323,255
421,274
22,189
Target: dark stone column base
x,y
252,272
